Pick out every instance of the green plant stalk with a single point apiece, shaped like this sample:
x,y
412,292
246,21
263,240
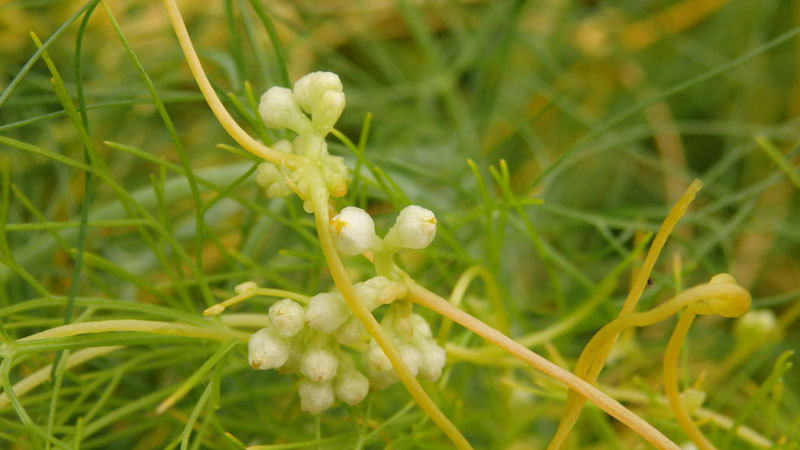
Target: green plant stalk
x,y
319,200
430,300
145,326
231,127
670,371
590,364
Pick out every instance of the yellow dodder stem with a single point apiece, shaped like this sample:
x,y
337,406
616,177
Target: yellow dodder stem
x,y
430,300
731,294
590,364
223,116
345,287
145,326
670,370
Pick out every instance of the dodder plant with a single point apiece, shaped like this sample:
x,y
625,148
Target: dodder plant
x,y
317,177
317,337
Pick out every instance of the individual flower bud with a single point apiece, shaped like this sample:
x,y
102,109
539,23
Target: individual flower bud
x,y
309,90
267,174
379,379
351,386
411,356
376,358
369,291
270,178
287,317
319,364
326,312
334,174
379,291
267,350
278,109
755,325
247,286
415,228
420,326
315,397
350,331
353,231
327,111
433,359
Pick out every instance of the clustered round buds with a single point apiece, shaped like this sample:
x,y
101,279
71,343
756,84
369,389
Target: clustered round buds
x,y
419,351
271,178
321,95
353,231
307,340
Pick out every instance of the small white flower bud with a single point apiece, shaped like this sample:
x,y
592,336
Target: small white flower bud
x,y
267,174
379,379
411,356
334,174
267,350
270,178
287,317
327,111
415,227
420,326
755,325
326,312
433,361
353,231
379,291
315,397
350,331
278,109
351,386
247,286
318,364
376,358
309,89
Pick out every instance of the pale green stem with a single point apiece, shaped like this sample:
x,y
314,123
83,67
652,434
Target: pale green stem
x,y
430,300
590,371
670,370
319,198
146,326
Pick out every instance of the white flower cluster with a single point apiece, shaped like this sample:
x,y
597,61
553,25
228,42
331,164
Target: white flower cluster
x,y
320,95
307,341
414,341
354,231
